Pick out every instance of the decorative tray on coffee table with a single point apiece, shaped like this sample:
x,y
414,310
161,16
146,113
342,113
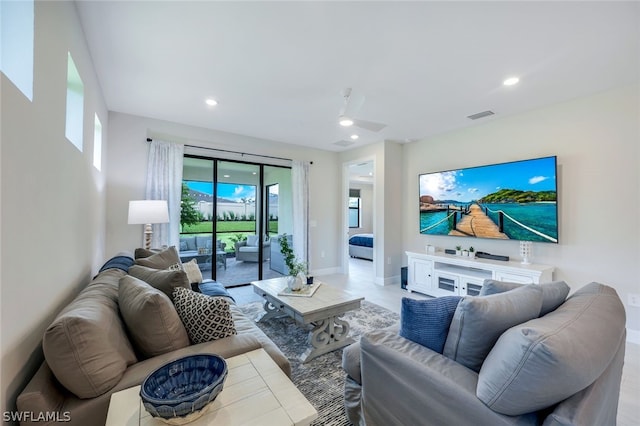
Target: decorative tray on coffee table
x,y
306,291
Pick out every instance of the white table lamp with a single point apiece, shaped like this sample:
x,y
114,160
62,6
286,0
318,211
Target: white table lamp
x,y
146,212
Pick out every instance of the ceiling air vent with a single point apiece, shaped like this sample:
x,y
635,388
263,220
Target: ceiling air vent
x,y
343,143
480,115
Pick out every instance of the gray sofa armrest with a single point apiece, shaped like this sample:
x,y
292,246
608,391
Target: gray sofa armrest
x,y
404,383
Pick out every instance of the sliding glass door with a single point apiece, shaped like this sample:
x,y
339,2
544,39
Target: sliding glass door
x,y
244,205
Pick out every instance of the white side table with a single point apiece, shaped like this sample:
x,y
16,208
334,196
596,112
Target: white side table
x,y
256,392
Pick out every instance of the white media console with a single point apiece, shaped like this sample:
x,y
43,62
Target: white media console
x,y
439,274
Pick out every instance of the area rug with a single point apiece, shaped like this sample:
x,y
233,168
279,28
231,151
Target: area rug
x,y
322,379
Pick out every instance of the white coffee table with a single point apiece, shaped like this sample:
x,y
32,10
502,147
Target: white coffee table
x,y
256,392
322,310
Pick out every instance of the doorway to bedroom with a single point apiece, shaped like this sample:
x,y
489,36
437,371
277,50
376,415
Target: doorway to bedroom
x,y
360,220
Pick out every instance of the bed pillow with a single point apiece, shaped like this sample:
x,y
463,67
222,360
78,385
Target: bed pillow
x,y
480,320
553,294
206,318
151,318
426,322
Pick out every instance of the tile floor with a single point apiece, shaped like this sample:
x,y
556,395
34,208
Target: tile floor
x,y
360,282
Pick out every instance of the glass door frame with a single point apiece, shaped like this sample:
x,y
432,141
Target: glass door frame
x,y
261,210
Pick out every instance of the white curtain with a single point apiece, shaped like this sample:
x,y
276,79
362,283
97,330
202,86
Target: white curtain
x,y
300,186
164,182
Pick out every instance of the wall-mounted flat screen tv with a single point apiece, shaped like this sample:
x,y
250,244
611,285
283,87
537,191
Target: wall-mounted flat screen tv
x,y
514,201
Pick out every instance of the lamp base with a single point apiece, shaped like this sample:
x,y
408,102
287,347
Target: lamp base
x,y
148,232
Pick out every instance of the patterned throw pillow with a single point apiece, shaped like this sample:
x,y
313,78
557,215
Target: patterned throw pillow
x,y
426,322
205,318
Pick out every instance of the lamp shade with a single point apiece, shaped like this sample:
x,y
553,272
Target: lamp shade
x,y
148,211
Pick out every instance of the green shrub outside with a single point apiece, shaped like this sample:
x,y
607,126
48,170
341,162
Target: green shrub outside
x,y
228,229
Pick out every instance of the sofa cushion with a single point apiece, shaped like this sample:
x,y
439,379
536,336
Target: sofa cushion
x,y
206,318
204,242
191,268
553,293
183,245
480,320
161,260
252,240
86,346
151,318
163,280
546,360
191,243
427,321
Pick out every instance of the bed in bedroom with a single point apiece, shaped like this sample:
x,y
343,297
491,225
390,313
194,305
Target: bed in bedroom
x,y
361,245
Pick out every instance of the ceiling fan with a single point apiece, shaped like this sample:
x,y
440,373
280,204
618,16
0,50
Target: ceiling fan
x,y
352,104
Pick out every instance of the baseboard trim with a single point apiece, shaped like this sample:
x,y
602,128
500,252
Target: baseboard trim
x,y
395,279
633,336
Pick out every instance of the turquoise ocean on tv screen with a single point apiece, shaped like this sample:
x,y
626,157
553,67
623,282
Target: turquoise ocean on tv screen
x,y
540,216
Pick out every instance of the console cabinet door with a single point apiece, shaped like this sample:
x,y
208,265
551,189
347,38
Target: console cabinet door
x,y
445,284
470,286
420,275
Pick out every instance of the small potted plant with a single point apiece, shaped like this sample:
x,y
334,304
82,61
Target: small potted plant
x,y
297,269
458,250
472,252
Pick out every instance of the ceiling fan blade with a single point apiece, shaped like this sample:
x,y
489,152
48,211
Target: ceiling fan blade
x,y
369,125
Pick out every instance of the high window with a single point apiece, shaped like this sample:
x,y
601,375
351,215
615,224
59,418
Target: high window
x,y
16,33
97,143
75,104
354,208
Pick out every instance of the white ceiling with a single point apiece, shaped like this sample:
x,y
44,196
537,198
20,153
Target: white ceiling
x,y
278,69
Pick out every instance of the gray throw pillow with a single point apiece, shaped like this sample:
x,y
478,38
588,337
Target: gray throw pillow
x,y
163,280
546,360
553,294
161,260
480,320
151,318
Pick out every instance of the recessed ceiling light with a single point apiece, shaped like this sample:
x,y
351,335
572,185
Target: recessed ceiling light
x,y
511,81
211,102
226,176
354,137
345,121
255,173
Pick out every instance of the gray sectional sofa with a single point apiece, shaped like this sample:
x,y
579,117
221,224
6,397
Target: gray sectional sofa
x,y
561,368
90,349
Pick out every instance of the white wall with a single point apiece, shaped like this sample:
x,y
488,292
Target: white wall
x,y
126,179
53,199
596,140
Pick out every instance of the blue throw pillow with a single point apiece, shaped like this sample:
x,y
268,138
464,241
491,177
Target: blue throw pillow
x,y
214,288
426,322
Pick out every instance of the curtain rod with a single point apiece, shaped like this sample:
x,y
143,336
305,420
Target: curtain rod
x,y
235,152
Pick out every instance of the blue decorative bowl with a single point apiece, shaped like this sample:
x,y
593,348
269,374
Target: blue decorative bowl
x,y
184,386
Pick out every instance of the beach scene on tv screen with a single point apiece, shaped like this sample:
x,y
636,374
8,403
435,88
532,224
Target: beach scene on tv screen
x,y
514,200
